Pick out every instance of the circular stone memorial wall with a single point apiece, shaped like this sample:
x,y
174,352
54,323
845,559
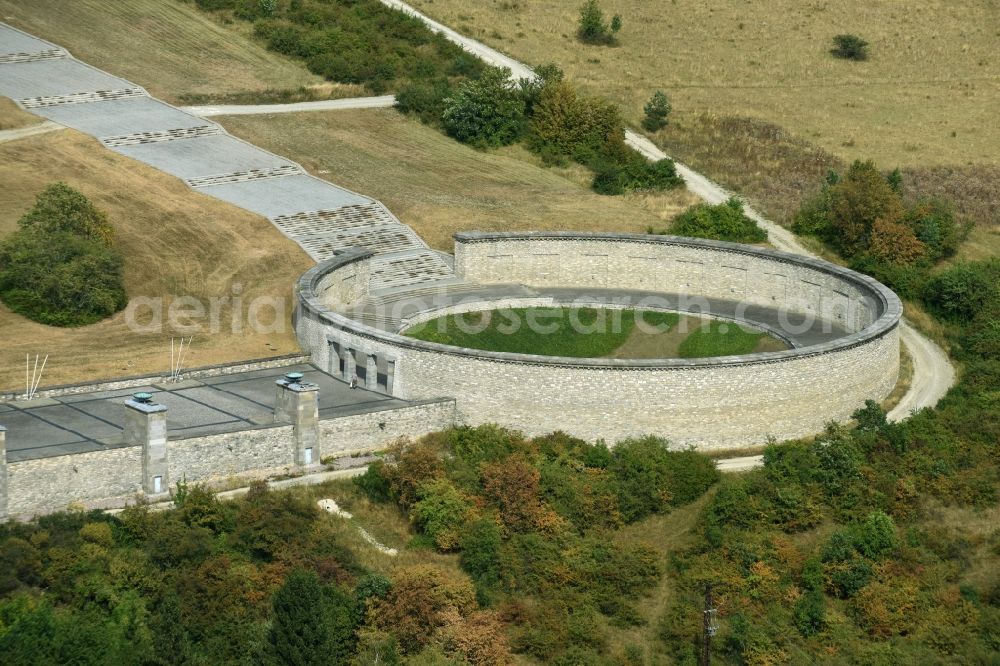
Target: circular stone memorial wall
x,y
720,402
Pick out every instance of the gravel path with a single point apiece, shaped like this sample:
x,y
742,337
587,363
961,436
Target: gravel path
x,y
31,130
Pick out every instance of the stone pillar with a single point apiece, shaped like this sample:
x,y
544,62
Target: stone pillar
x,y
371,372
350,365
297,402
146,426
390,375
3,472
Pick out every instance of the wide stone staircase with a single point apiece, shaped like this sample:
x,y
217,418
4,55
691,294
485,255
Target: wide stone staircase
x,y
322,218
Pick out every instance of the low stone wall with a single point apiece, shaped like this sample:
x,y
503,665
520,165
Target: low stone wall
x,y
114,477
53,484
372,431
711,403
260,452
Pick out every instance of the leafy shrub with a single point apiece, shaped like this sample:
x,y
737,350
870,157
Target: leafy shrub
x,y
636,173
582,128
640,468
374,483
962,291
441,512
848,578
725,221
424,99
850,47
361,41
810,613
480,548
876,537
59,267
486,112
657,109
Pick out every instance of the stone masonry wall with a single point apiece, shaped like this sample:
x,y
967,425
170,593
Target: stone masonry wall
x,y
668,268
376,430
52,484
262,451
709,403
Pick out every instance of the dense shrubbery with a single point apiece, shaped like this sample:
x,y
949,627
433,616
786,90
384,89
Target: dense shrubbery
x,y
531,521
864,217
354,41
725,221
60,267
267,578
485,112
875,562
551,117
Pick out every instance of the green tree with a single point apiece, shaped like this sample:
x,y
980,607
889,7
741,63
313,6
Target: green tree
x,y
860,198
59,267
60,208
299,636
486,112
592,28
657,109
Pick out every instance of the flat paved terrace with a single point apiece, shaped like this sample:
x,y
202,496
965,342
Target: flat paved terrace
x,y
94,421
392,312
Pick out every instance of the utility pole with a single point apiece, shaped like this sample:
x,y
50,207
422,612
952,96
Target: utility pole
x,y
709,627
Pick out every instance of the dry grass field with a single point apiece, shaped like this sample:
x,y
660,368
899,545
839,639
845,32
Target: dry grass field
x,y
168,46
439,186
12,117
927,96
175,242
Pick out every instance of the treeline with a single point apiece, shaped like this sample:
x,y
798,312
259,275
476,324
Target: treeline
x,y
534,521
549,115
353,41
840,550
862,215
365,42
270,579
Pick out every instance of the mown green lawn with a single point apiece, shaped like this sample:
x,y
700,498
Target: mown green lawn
x,y
592,333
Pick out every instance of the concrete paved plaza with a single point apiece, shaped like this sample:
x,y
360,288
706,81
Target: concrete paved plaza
x,y
94,421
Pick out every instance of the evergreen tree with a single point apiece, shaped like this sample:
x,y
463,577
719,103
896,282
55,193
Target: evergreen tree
x,y
299,636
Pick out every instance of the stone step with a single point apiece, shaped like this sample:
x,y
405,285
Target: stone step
x,y
244,176
80,98
50,54
384,239
406,269
347,217
160,136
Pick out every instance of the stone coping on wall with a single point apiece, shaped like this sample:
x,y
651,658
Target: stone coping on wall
x,y
890,308
216,370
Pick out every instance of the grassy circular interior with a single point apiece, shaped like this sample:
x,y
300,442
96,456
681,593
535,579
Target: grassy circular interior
x,y
595,333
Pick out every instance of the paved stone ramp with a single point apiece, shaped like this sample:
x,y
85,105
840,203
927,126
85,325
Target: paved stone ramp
x,y
322,218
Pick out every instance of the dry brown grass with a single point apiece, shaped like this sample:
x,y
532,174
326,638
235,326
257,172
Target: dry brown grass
x,y
439,186
170,47
175,242
927,96
12,117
